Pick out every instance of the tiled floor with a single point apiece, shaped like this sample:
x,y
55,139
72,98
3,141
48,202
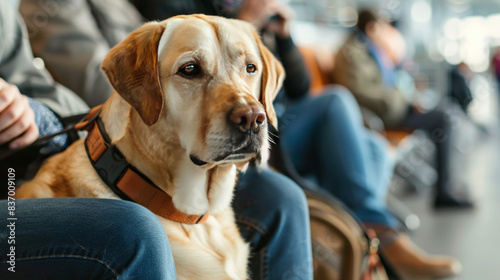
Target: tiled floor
x,y
471,236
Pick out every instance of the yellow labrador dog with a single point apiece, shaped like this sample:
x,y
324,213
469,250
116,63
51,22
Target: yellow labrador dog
x,y
192,98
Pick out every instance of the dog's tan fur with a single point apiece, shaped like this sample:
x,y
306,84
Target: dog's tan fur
x,y
157,119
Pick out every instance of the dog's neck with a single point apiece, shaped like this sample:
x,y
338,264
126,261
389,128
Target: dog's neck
x,y
158,154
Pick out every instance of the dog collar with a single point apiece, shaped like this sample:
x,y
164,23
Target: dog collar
x,y
126,181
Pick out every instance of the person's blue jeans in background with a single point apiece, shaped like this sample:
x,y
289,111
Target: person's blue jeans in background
x,y
325,138
85,238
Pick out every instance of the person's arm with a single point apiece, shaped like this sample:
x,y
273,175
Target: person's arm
x,y
297,80
23,118
17,67
357,71
73,37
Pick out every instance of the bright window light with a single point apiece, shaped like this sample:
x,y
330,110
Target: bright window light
x,y
421,11
451,28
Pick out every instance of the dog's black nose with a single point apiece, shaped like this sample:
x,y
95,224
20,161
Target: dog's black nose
x,y
248,117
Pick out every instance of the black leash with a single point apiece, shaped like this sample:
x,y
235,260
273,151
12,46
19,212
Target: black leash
x,y
74,123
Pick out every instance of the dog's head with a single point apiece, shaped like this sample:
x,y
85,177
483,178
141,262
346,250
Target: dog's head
x,y
207,79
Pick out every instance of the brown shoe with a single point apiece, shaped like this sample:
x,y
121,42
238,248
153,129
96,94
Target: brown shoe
x,y
410,262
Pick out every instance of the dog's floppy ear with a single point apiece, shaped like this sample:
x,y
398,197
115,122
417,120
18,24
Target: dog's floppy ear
x,y
133,71
272,79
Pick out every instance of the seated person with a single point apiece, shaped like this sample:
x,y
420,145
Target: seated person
x,y
270,210
64,238
364,65
325,137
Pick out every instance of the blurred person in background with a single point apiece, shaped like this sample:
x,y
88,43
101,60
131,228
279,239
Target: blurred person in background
x,y
31,103
459,91
495,66
61,238
365,64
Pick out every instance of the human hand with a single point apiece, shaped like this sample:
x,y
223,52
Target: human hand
x,y
17,119
418,109
256,12
281,26
259,13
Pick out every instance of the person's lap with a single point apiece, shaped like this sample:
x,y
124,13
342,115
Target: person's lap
x,y
85,238
325,137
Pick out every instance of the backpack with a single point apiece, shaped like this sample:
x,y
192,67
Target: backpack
x,y
341,249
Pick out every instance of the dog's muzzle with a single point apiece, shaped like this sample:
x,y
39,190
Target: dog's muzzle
x,y
247,124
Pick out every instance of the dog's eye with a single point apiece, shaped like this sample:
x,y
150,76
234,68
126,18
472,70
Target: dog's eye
x,y
190,70
251,68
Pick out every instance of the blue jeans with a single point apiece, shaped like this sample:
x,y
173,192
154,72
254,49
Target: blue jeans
x,y
326,139
272,214
83,238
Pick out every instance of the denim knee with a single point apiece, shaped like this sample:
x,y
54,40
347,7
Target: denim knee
x,y
140,239
270,199
342,93
336,88
129,214
287,201
137,226
340,103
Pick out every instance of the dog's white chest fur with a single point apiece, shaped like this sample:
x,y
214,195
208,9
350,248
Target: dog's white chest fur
x,y
213,250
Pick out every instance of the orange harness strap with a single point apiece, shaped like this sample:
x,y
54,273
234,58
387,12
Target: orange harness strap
x,y
125,180
89,119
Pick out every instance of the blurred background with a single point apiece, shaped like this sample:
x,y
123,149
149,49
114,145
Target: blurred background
x,y
439,36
